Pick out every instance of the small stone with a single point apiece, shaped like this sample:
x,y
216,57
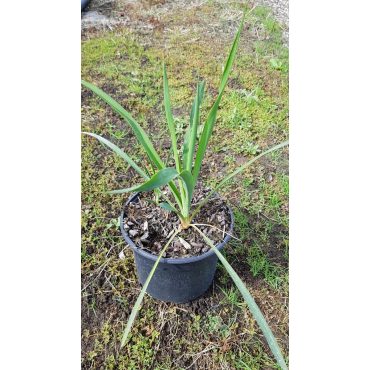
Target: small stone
x,y
145,225
164,254
145,236
204,250
130,223
197,245
122,255
126,227
176,249
133,232
138,206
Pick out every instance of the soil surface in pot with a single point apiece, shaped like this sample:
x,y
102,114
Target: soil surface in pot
x,y
150,226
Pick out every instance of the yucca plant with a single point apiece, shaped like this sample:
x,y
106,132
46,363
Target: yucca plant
x,y
186,171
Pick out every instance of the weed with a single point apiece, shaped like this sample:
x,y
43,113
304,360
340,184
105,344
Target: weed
x,y
91,306
115,222
232,297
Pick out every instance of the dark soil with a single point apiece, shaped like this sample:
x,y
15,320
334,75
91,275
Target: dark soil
x,y
151,226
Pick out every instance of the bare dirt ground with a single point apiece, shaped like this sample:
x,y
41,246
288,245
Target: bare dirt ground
x,y
106,14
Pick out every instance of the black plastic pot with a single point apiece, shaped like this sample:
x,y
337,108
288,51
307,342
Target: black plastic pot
x,y
175,280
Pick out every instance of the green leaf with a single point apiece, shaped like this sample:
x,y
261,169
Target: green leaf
x,y
170,151
171,124
211,119
120,153
143,290
251,304
191,132
241,168
146,170
166,206
170,208
189,185
161,178
150,201
139,132
151,164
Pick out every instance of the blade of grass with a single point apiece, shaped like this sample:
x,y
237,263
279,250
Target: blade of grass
x,y
211,119
143,290
241,168
151,164
145,169
170,151
251,304
121,153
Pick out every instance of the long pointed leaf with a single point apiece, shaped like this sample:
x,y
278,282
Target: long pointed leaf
x,y
171,124
151,164
170,151
251,304
145,169
189,185
241,168
211,119
139,132
170,208
121,153
191,132
143,290
161,178
165,206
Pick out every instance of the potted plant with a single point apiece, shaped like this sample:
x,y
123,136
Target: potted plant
x,y
181,182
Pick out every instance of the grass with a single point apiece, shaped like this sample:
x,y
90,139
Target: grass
x,y
253,116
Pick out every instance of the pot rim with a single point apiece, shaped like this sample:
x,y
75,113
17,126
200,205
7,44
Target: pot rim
x,y
173,261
